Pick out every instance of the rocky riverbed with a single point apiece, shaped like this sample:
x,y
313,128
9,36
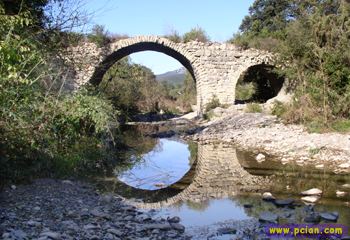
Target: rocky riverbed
x,y
265,134
63,209
55,209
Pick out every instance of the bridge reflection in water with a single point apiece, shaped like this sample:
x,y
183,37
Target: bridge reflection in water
x,y
217,173
223,172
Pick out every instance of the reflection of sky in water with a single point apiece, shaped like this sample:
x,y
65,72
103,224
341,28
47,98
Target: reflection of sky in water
x,y
164,165
205,213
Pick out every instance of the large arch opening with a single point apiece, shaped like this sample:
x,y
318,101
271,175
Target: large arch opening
x,y
139,47
258,84
142,93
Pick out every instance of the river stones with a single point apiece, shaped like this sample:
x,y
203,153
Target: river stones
x,y
283,202
312,218
174,219
161,226
310,199
115,232
267,196
312,192
340,193
178,227
332,217
51,235
268,217
344,165
226,230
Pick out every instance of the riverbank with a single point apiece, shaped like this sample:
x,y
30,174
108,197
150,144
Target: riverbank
x,y
56,209
266,135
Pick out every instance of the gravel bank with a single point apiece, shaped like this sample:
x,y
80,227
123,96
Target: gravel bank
x,y
263,133
54,209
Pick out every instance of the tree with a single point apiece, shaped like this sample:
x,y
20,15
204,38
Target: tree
x,y
270,15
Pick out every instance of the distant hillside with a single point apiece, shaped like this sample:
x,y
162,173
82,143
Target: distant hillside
x,y
173,77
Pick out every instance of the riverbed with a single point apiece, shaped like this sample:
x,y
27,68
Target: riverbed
x,y
210,183
215,189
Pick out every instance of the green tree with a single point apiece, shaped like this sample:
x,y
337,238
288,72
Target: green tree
x,y
268,15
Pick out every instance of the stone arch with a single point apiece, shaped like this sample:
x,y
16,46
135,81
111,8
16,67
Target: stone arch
x,y
126,47
267,83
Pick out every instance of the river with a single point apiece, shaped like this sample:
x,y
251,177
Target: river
x,y
208,183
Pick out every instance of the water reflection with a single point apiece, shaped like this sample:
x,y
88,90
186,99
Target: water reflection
x,y
159,168
223,179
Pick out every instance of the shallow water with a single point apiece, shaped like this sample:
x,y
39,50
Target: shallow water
x,y
208,183
164,165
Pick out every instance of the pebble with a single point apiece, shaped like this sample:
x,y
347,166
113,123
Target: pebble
x,y
51,235
33,223
344,165
115,232
36,208
260,157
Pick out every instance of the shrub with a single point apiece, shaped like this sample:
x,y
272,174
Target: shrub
x,y
99,36
278,109
174,36
214,103
196,34
253,108
245,91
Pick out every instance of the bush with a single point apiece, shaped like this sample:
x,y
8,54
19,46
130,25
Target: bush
x,y
214,103
41,128
278,109
245,91
99,36
196,34
174,36
341,125
253,108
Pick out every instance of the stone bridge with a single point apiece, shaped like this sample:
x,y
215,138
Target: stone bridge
x,y
215,67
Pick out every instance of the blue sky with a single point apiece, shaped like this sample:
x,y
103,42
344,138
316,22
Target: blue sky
x,y
219,18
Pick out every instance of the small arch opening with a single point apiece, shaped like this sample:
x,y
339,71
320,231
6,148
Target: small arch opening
x,y
258,84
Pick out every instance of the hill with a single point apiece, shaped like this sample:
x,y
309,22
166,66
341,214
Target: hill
x,y
173,77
